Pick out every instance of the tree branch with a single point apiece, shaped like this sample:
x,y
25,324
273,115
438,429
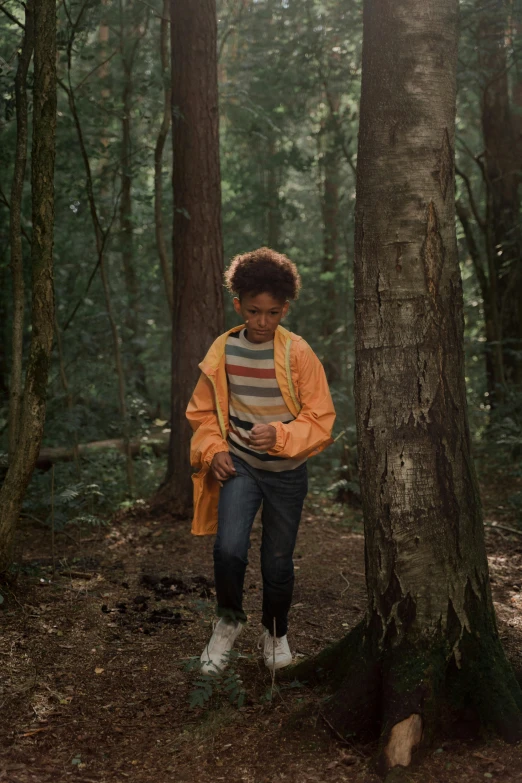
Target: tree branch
x,y
474,251
480,221
11,17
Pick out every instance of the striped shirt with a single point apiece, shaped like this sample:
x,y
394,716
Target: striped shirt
x,y
254,398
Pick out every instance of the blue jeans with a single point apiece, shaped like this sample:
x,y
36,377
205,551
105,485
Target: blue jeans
x,y
282,495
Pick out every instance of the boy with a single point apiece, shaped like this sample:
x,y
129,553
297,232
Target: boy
x,y
261,407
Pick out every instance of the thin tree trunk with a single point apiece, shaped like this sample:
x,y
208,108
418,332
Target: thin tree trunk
x,y
493,347
42,312
128,53
4,331
66,389
15,231
429,642
197,243
273,211
103,73
502,179
158,158
100,239
330,210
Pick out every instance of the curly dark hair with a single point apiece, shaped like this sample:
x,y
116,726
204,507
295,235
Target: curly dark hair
x,y
263,271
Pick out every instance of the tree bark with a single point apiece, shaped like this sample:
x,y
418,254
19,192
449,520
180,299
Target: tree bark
x,y
15,231
429,641
197,241
42,313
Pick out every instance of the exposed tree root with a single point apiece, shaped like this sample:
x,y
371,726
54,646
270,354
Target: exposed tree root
x,y
402,695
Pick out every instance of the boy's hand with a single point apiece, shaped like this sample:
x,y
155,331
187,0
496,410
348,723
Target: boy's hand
x,y
263,436
222,466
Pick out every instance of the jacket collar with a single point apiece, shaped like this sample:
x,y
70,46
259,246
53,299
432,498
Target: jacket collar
x,y
210,363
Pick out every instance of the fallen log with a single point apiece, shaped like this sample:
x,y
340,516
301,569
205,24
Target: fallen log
x,y
158,442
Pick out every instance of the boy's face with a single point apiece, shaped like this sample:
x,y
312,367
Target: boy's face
x,y
262,315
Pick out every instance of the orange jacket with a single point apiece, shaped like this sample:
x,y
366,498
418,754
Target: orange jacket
x,y
304,388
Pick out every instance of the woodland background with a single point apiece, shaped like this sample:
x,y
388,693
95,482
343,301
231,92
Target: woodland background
x,y
289,80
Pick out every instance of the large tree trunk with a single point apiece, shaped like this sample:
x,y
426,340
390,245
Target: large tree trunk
x,y
197,242
42,315
429,641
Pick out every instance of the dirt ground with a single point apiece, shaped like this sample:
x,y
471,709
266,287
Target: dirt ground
x,y
95,685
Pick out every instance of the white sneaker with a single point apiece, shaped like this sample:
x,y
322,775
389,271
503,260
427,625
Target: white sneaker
x,y
214,657
276,655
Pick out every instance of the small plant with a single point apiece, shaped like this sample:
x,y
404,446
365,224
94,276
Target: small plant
x,y
226,683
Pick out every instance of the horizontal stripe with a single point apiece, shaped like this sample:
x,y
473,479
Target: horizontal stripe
x,y
256,391
274,465
247,425
260,410
239,436
261,455
253,402
257,419
249,353
265,383
240,361
250,372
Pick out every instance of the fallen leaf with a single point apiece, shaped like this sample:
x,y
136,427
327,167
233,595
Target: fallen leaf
x,y
99,670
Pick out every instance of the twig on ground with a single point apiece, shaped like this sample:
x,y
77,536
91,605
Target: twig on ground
x,y
347,584
503,527
77,574
332,728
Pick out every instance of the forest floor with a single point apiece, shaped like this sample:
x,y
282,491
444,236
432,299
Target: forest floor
x,y
95,685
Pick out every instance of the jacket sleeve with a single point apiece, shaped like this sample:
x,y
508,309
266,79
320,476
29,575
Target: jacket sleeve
x,y
312,428
201,412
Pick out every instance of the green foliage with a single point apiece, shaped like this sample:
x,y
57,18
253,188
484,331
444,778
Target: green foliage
x,y
91,500
227,684
289,79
